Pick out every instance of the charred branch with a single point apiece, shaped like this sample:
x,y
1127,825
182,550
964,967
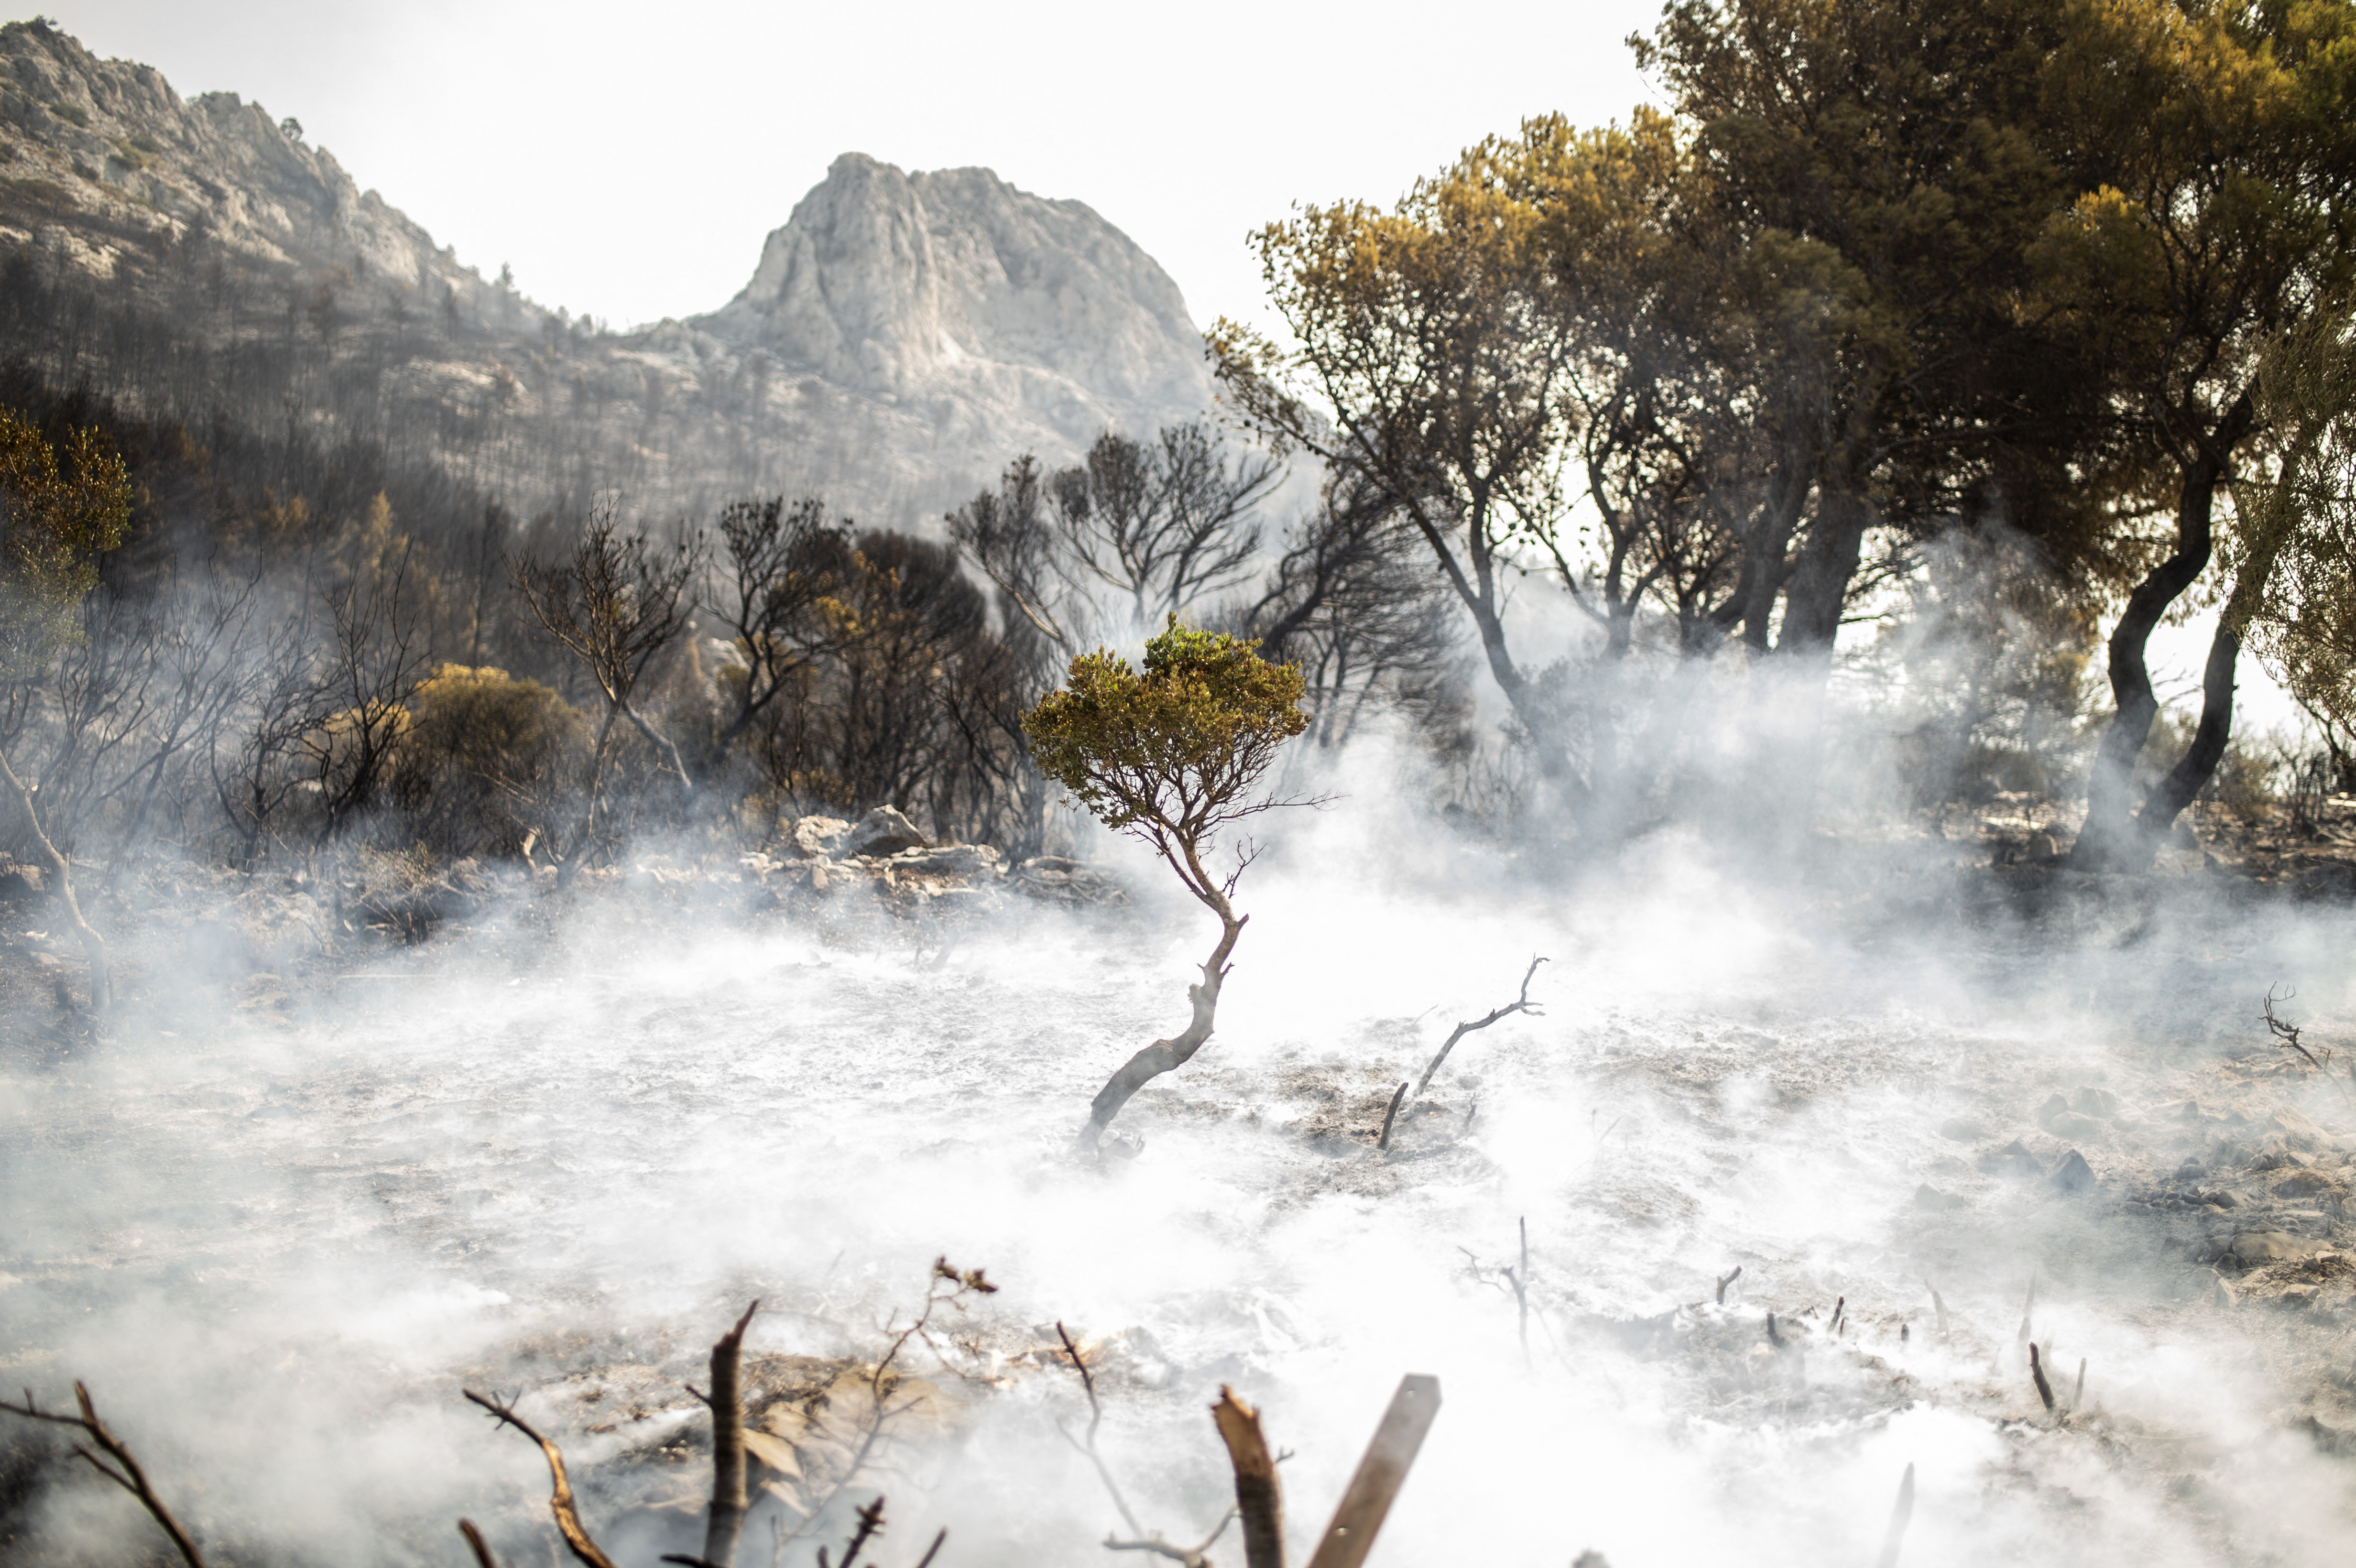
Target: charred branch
x,y
2036,1376
726,1524
1521,1003
111,1457
1259,1497
561,1503
475,1545
1391,1115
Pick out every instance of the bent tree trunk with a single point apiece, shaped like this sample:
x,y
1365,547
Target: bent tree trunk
x,y
2115,837
1168,1055
1817,592
2199,764
2193,771
101,986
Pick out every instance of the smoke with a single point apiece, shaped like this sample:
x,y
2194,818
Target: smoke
x,y
278,1244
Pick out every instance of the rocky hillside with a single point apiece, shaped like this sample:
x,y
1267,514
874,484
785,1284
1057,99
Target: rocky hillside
x,y
902,337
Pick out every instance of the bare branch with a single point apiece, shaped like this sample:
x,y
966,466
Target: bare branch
x,y
1521,1005
560,1502
125,1472
1390,1116
1096,1418
475,1545
727,1523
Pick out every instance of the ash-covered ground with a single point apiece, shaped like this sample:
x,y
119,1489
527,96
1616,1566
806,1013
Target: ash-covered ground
x,y
334,1160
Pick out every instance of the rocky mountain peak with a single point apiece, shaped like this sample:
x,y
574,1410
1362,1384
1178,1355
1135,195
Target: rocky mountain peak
x,y
955,284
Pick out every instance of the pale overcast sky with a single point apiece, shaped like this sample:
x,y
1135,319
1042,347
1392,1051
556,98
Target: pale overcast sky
x,y
626,160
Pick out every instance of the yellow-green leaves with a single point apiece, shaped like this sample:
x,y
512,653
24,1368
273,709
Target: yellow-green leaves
x,y
54,525
1174,751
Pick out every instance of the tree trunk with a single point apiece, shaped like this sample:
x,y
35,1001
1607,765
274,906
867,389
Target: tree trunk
x,y
1167,1055
2193,771
1761,575
577,852
93,946
2109,838
1818,591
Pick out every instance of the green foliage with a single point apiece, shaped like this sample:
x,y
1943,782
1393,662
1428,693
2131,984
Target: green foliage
x,y
54,525
2294,548
1171,754
71,114
486,759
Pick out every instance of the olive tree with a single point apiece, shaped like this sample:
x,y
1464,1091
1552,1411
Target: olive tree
x,y
1172,756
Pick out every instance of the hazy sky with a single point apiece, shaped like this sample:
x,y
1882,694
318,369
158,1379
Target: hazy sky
x,y
626,160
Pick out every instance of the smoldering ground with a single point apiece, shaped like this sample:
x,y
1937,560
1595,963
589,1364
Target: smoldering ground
x,y
278,1241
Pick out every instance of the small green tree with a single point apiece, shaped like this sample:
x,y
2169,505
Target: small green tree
x,y
1171,757
54,522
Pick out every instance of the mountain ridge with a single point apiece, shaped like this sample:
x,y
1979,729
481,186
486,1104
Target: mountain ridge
x,y
902,335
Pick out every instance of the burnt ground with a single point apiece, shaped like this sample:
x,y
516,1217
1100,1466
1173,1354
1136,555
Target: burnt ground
x,y
2226,1169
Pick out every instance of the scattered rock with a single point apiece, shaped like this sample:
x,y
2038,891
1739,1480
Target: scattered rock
x,y
2252,1248
2306,1182
2012,1160
2056,1117
1929,1196
966,861
2092,1102
2074,1175
883,832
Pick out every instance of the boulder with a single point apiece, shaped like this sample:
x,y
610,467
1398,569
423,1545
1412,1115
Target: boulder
x,y
2074,1175
1961,1130
1929,1196
817,837
2252,1248
963,860
882,832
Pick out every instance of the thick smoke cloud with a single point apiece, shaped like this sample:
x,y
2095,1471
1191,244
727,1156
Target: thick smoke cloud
x,y
277,1246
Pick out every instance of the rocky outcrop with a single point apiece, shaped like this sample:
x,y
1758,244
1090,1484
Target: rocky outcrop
x,y
110,170
883,853
954,288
